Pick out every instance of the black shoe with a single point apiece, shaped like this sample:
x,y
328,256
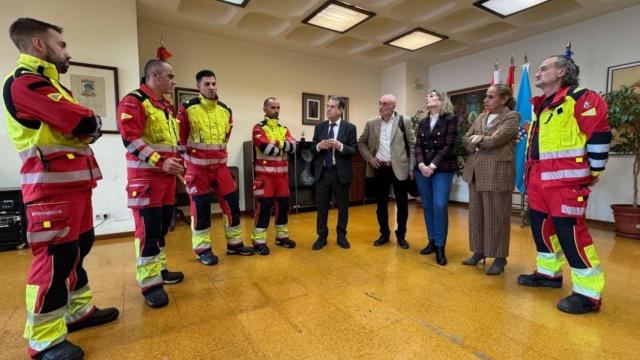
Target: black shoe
x,y
319,244
344,243
261,249
578,304
441,259
66,350
157,298
539,280
383,239
171,277
431,246
497,266
286,243
98,317
402,242
240,250
474,259
208,258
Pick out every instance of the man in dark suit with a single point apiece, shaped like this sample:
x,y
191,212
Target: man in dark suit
x,y
334,143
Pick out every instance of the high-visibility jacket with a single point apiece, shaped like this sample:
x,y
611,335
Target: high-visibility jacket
x,y
573,136
205,128
272,141
148,128
50,131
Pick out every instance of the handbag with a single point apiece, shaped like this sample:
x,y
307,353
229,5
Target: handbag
x,y
412,186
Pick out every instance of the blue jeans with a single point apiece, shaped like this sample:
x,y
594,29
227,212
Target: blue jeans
x,y
435,191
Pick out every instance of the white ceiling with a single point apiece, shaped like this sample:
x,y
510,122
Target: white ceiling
x,y
277,24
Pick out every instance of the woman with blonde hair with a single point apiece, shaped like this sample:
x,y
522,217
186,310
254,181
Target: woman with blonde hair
x,y
436,164
490,172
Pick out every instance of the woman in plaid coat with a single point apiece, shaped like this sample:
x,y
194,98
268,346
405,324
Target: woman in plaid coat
x,y
490,172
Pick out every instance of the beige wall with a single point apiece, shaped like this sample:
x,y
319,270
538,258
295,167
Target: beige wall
x,y
598,43
247,74
98,32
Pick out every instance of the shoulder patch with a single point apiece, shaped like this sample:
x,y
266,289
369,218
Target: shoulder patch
x,y
125,116
590,112
55,96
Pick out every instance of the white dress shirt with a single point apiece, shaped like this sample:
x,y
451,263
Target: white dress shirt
x,y
336,128
384,146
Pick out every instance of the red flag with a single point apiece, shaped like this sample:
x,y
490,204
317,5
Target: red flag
x,y
511,76
163,54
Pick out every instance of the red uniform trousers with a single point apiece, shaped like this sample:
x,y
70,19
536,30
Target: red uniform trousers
x,y
60,233
266,189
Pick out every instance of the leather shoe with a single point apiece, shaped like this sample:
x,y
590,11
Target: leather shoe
x,y
344,243
157,298
474,259
539,280
383,239
497,266
98,317
441,259
319,244
578,304
402,242
66,350
429,248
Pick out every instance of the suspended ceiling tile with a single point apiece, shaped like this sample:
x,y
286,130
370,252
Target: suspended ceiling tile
x,y
546,12
380,28
262,24
458,21
213,12
383,53
287,7
446,47
368,4
348,44
422,10
309,35
489,32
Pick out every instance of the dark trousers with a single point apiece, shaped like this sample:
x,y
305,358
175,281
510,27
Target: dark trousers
x,y
329,186
384,177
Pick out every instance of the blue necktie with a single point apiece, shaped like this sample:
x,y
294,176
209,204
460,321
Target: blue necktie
x,y
328,160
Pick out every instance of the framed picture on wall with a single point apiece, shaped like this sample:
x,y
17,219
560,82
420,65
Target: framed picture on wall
x,y
345,113
312,108
182,95
468,103
624,74
96,87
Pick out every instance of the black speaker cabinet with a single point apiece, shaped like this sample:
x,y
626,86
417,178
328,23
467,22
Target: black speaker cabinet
x,y
12,224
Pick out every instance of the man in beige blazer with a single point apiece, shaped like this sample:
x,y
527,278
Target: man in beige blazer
x,y
387,147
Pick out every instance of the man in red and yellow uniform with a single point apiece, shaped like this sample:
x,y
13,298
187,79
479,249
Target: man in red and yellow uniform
x,y
567,150
150,133
52,133
205,128
273,142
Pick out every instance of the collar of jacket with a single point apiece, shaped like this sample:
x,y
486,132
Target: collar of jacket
x,y
38,65
271,122
558,98
208,103
159,103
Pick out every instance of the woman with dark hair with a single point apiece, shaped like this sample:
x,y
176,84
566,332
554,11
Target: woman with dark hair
x,y
490,172
436,164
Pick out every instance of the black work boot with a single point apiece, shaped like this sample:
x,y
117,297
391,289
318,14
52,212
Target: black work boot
x,y
286,243
383,239
172,277
539,280
66,350
578,304
157,297
261,249
240,250
402,242
208,258
98,317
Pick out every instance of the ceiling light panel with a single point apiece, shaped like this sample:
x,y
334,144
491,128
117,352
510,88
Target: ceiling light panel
x,y
504,8
338,16
416,39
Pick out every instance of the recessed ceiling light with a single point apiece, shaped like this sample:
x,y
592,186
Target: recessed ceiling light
x,y
504,8
241,3
338,16
415,39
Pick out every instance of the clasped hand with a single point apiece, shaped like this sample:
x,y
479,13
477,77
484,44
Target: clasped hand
x,y
329,144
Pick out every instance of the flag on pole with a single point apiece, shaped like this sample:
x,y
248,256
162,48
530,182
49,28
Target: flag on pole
x,y
524,107
511,75
495,79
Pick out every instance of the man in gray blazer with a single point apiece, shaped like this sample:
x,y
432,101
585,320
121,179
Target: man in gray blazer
x,y
387,145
